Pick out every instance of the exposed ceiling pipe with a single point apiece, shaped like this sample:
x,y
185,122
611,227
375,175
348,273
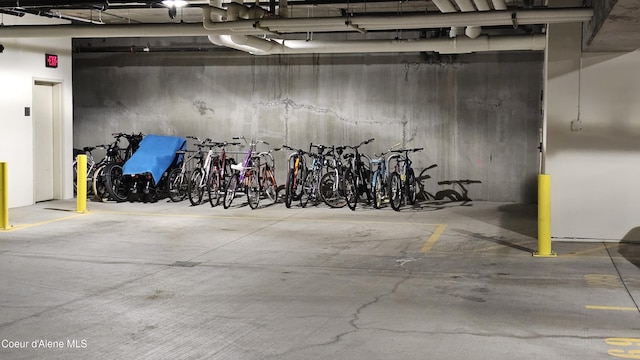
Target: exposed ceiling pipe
x,y
96,31
445,6
297,25
482,5
467,6
462,45
402,22
499,5
283,8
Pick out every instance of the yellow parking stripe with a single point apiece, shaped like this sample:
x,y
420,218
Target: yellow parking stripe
x,y
433,238
25,226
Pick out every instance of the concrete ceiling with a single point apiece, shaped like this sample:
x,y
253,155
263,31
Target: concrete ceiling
x,y
614,26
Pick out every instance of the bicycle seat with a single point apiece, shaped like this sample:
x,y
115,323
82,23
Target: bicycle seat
x,y
238,167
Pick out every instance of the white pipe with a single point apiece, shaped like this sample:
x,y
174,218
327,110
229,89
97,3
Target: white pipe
x,y
101,31
299,25
283,8
473,31
444,46
499,5
445,6
482,5
465,5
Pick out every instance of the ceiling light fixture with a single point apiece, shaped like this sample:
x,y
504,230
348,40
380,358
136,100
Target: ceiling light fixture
x,y
173,6
175,3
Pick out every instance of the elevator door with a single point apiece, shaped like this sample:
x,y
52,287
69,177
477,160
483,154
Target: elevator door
x,y
43,141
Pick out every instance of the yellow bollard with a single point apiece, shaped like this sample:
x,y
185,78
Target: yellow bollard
x,y
81,199
544,217
4,196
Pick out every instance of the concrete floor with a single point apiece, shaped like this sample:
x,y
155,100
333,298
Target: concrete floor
x,y
172,281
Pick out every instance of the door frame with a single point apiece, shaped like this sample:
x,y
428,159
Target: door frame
x,y
58,135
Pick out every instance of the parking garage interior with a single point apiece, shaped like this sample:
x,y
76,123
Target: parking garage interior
x,y
446,277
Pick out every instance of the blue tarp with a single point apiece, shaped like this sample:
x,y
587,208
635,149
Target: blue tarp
x,y
155,155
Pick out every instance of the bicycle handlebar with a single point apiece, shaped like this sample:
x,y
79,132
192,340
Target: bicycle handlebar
x,y
406,150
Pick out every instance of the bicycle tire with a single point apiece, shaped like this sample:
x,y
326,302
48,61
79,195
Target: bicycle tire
x,y
288,189
75,179
214,187
177,185
99,186
379,191
410,187
331,194
116,183
364,183
195,191
306,190
395,191
253,189
270,187
230,191
350,190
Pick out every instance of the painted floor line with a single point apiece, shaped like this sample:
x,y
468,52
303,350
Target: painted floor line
x,y
612,308
262,218
433,238
25,226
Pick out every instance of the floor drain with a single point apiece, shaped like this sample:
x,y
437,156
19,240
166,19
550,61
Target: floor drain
x,y
185,263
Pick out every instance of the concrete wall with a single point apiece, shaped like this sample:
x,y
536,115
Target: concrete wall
x,y
593,165
21,63
477,115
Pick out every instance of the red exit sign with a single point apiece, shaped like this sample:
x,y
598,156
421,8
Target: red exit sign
x,y
51,61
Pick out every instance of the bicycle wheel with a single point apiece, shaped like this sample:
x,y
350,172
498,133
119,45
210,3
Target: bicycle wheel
x,y
230,191
75,177
195,189
214,187
306,189
364,186
270,186
378,190
75,180
410,187
288,189
350,190
117,185
395,191
253,189
330,191
177,185
100,192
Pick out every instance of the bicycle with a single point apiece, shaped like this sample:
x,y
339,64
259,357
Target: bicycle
x,y
115,183
114,154
311,184
407,177
383,189
91,168
268,185
200,176
361,174
178,177
220,168
337,186
297,168
246,177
